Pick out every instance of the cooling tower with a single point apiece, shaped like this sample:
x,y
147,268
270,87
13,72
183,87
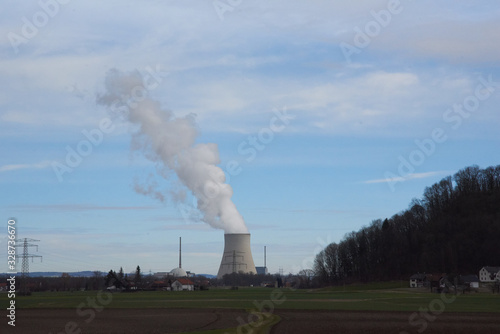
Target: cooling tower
x,y
237,255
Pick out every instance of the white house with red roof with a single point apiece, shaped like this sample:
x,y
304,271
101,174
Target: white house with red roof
x,y
183,284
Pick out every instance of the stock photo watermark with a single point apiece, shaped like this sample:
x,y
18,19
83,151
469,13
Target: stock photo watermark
x,y
75,155
263,313
371,30
86,312
454,118
256,143
31,26
248,149
221,7
427,315
11,264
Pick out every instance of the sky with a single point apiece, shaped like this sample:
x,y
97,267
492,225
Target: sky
x,y
327,115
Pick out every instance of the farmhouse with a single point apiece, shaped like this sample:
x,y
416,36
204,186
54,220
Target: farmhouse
x,y
471,280
160,285
183,284
489,274
436,281
417,280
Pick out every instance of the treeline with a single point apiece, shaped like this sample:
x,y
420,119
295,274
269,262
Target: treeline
x,y
454,228
250,279
98,281
122,281
65,282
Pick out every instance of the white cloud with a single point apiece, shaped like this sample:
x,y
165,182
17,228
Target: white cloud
x,y
14,167
224,70
408,177
81,207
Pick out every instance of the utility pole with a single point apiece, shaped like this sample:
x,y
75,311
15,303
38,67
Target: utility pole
x,y
234,263
265,263
25,268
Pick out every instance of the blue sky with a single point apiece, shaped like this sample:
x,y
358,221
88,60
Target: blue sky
x,y
384,98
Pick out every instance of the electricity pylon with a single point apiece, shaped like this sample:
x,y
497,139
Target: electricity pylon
x,y
25,268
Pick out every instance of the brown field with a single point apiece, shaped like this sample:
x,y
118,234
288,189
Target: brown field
x,y
124,321
374,322
127,321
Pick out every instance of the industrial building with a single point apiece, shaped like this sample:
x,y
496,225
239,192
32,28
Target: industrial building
x,y
237,256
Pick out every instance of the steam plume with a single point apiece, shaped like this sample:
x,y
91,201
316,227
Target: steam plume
x,y
170,141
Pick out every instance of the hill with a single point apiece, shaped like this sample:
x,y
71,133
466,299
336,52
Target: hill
x,y
454,228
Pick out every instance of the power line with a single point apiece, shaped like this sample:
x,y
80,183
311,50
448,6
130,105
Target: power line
x,y
25,268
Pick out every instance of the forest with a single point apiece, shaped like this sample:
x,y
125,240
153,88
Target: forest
x,y
454,228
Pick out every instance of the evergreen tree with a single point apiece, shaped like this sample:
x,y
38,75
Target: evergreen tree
x,y
138,276
109,278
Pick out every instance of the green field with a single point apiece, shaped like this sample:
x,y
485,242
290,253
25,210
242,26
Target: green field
x,y
372,297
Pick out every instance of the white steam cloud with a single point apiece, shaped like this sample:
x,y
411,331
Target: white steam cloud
x,y
170,140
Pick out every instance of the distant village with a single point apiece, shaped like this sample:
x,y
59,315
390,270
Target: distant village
x,y
488,278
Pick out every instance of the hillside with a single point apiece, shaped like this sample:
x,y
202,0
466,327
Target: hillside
x,y
453,228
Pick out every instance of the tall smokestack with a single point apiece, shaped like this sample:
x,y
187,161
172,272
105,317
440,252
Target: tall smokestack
x,y
237,255
180,247
265,266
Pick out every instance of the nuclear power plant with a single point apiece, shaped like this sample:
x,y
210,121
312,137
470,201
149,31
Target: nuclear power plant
x,y
237,256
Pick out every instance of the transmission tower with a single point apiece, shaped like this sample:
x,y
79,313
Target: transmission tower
x,y
235,266
25,268
234,262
